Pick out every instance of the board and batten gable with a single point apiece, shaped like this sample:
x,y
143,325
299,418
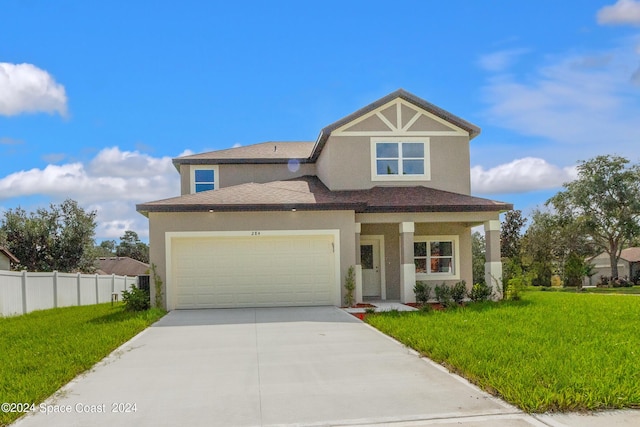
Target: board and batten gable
x,y
348,162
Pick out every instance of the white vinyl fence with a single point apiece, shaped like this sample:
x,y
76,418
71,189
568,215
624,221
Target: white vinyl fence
x,y
22,292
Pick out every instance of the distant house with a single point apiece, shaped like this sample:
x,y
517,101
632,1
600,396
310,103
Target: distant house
x,y
7,259
121,266
628,266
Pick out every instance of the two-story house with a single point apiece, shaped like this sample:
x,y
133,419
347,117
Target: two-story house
x,y
385,190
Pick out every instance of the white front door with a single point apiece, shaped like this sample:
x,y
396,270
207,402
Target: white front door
x,y
370,262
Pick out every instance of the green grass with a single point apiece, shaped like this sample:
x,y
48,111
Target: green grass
x,y
43,350
552,351
630,290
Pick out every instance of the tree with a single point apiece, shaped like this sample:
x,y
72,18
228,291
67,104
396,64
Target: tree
x,y
510,234
605,203
131,246
106,248
60,238
478,248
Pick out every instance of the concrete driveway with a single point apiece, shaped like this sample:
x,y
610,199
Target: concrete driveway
x,y
263,367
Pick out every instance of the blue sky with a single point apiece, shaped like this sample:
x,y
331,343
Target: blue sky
x,y
97,97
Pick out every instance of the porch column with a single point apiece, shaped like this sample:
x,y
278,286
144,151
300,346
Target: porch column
x,y
493,263
407,264
358,266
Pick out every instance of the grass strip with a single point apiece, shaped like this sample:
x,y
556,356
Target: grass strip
x,y
43,350
552,351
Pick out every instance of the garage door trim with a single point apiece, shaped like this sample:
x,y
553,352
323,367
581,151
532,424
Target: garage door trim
x,y
171,235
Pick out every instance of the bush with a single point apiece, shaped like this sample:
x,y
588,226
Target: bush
x,y
443,295
136,299
459,291
350,286
426,308
480,292
422,291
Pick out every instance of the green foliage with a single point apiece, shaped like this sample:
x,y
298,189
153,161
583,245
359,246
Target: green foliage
x,y
426,308
552,351
59,238
349,286
574,270
422,291
605,201
131,246
478,250
45,349
157,283
136,299
106,248
480,292
443,295
515,287
370,310
459,291
510,234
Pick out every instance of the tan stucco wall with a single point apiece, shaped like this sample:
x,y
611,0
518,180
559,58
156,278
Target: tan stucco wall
x,y
4,263
345,164
391,255
160,223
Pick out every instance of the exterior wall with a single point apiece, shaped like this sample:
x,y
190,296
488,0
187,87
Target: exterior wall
x,y
603,268
345,164
229,175
160,223
5,264
391,255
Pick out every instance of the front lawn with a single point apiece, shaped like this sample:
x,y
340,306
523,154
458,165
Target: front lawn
x,y
43,350
552,351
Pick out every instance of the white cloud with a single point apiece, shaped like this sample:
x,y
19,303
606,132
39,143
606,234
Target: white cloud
x,y
501,60
519,176
112,183
623,12
25,88
588,100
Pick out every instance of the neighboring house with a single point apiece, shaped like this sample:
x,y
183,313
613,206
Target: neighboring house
x,y
7,259
121,266
385,190
628,266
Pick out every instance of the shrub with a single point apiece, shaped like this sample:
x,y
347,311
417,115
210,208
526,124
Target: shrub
x,y
157,283
443,295
350,286
426,308
480,292
422,291
459,291
370,310
136,299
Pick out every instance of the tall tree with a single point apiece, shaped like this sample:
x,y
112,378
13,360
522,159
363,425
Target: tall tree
x,y
511,234
478,248
106,248
131,246
59,238
605,201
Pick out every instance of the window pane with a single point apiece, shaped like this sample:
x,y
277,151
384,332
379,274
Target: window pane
x,y
386,149
441,265
420,249
421,265
442,248
366,257
387,167
413,167
204,175
413,150
204,187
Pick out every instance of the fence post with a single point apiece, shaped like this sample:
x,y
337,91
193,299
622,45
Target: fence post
x,y
55,289
79,286
97,293
113,283
24,291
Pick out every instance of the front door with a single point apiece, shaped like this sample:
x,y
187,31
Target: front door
x,y
370,262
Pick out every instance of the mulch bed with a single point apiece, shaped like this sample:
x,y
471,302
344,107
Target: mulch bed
x,y
434,305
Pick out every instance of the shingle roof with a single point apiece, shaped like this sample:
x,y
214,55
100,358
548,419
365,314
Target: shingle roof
x,y
265,152
309,193
9,255
631,254
122,266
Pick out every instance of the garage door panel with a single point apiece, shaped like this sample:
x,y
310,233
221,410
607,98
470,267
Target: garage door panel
x,y
211,272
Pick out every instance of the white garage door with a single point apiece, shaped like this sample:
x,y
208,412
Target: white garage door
x,y
256,271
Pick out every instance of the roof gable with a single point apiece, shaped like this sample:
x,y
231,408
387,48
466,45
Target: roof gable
x,y
11,257
265,152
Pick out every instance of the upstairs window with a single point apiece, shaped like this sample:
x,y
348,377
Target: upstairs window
x,y
400,159
204,179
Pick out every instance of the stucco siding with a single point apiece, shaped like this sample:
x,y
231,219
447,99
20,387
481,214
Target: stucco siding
x,y
240,174
345,164
4,263
160,223
391,255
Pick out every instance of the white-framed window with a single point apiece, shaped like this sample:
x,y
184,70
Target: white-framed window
x,y
203,178
436,257
400,159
